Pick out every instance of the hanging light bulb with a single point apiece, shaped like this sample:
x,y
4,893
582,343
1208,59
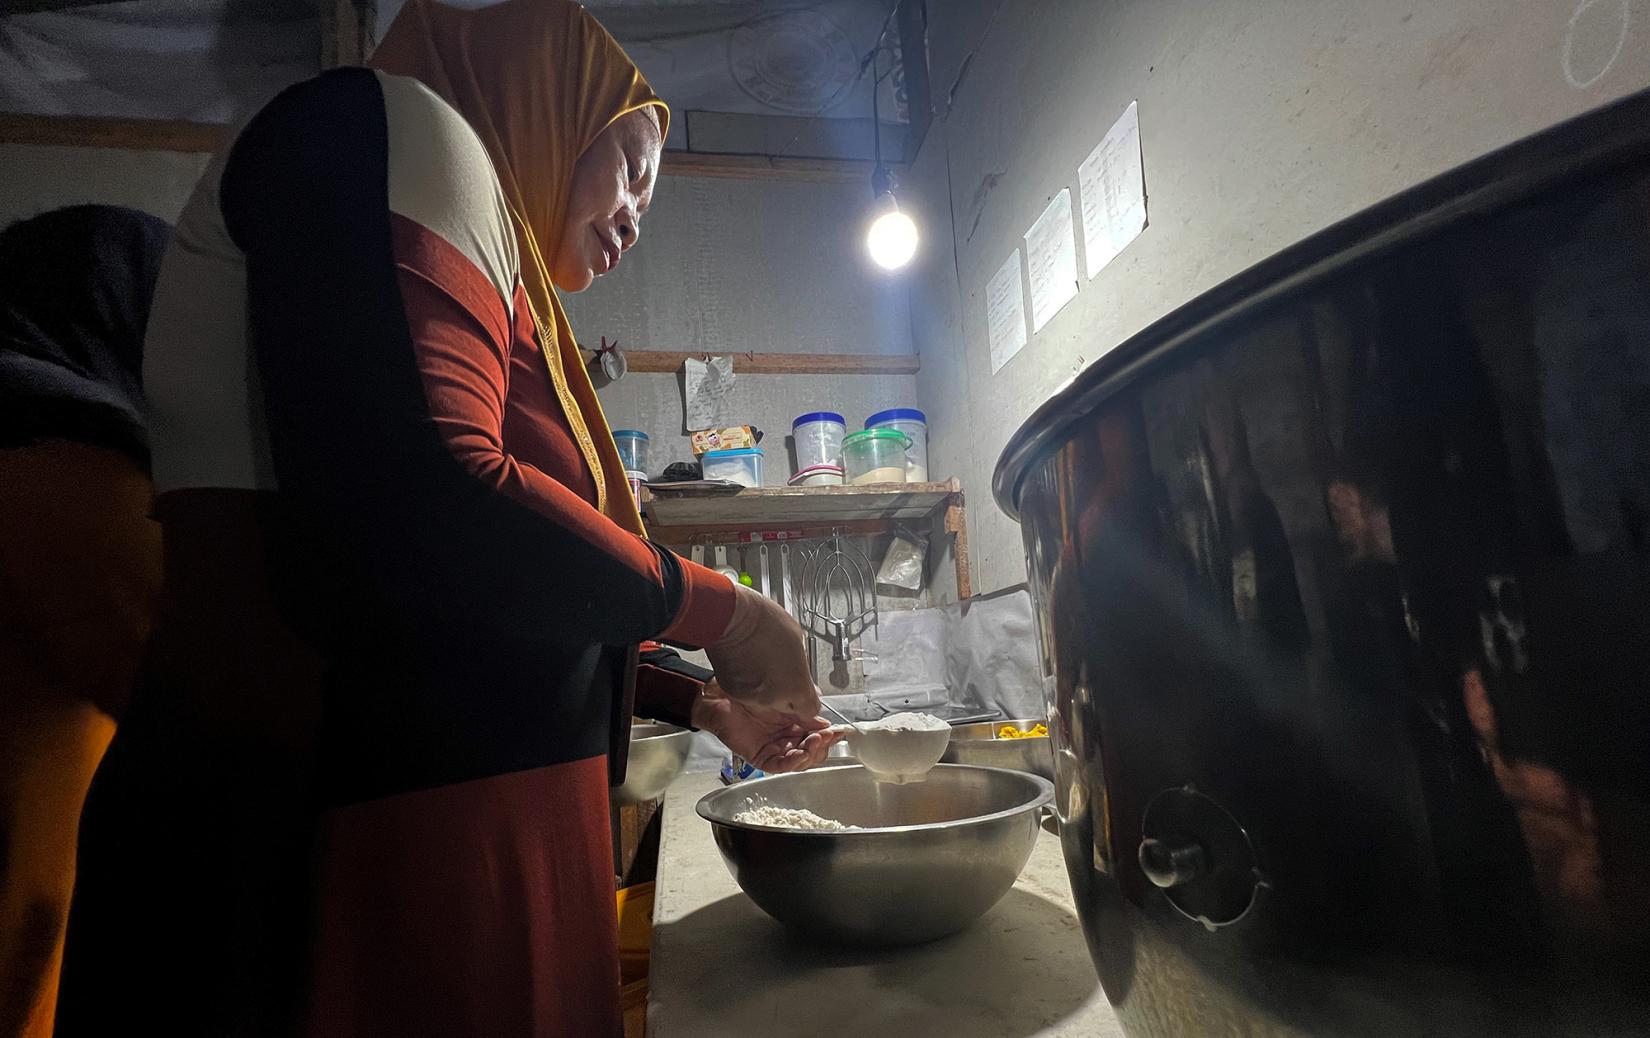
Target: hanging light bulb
x,y
892,237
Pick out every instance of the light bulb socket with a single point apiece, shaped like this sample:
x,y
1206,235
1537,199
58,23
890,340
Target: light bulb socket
x,y
883,181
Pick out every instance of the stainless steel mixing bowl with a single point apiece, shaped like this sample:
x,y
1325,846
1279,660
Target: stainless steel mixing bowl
x,y
658,752
932,857
978,744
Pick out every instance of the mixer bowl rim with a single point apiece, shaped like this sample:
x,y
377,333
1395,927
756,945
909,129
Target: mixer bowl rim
x,y
1029,740
666,730
1044,795
1597,141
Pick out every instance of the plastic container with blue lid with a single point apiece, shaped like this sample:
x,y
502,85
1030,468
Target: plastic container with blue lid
x,y
634,448
914,424
818,436
742,466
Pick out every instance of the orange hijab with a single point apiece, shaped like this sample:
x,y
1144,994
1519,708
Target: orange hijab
x,y
538,81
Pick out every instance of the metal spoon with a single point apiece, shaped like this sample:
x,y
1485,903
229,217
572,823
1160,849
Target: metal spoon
x,y
841,717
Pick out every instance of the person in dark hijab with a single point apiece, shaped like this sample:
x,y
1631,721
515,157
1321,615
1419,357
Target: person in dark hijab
x,y
79,556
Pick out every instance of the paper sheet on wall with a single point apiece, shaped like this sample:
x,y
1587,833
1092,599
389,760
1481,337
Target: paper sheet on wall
x,y
1005,312
1051,255
707,390
1112,183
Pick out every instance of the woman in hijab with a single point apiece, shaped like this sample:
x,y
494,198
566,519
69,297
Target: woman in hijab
x,y
405,579
79,556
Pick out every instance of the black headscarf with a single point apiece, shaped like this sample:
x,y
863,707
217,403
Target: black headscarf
x,y
75,288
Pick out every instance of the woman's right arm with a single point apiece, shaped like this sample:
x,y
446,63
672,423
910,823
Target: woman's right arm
x,y
382,355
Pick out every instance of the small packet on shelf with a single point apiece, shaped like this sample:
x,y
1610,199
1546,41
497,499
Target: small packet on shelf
x,y
731,438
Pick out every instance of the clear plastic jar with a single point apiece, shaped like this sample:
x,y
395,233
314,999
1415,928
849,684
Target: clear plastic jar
x,y
634,448
818,436
912,423
875,456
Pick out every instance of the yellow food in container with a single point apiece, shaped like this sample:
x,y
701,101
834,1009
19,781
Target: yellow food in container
x,y
1008,731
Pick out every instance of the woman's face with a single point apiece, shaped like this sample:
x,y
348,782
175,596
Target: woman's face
x,y
612,187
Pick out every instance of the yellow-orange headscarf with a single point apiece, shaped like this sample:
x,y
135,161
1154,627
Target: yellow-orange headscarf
x,y
538,81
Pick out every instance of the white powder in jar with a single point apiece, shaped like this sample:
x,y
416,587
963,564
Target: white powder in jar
x,y
788,818
885,474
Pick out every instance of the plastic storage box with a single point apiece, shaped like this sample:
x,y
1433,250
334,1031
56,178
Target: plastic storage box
x,y
742,466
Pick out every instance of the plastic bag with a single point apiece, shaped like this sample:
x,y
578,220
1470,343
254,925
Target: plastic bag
x,y
902,563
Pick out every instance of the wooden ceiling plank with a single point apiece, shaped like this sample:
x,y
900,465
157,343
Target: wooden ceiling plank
x,y
185,136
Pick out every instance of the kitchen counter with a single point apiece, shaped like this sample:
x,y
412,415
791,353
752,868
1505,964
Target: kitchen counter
x,y
720,966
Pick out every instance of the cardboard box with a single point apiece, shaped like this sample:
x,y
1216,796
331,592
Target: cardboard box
x,y
732,438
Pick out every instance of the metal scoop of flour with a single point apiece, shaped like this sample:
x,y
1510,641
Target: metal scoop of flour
x,y
899,748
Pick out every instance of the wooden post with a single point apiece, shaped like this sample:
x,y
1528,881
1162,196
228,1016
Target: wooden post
x,y
956,524
346,31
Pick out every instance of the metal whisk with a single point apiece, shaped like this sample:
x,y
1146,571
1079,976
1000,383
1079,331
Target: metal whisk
x,y
837,594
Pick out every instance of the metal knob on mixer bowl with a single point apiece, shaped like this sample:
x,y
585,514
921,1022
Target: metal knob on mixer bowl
x,y
1172,862
1199,856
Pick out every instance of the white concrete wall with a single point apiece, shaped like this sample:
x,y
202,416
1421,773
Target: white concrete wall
x,y
749,265
1261,121
34,178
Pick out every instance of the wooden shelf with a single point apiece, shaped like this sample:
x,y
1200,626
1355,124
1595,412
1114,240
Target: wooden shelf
x,y
186,136
680,519
670,361
769,508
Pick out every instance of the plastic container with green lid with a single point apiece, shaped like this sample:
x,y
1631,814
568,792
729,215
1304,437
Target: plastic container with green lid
x,y
875,456
914,424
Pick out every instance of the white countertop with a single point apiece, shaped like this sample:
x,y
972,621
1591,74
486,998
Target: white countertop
x,y
721,967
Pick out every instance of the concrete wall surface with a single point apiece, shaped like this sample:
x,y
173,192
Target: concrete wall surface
x,y
1261,122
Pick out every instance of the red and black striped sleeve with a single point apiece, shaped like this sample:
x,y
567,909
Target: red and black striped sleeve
x,y
667,685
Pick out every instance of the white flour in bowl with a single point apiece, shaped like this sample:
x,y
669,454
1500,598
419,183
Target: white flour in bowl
x,y
788,818
901,747
906,722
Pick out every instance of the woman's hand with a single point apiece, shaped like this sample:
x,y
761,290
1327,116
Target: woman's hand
x,y
760,662
773,741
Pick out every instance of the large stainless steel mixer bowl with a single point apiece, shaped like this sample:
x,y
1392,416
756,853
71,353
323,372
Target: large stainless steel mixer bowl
x,y
658,753
1344,573
978,744
932,857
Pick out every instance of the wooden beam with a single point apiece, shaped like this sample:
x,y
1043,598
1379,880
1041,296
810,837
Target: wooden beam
x,y
91,132
180,135
912,18
667,361
769,167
